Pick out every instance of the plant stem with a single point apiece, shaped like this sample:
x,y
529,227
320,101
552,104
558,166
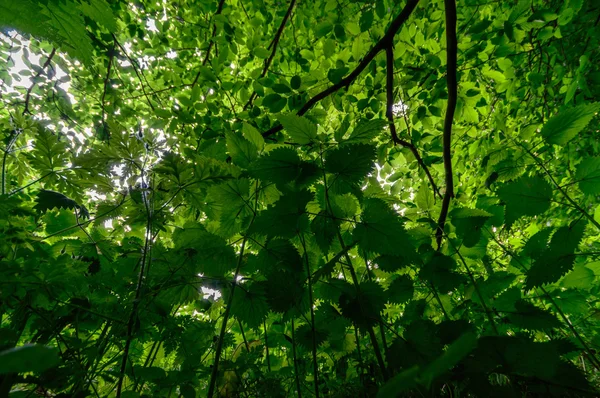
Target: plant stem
x,y
312,320
215,369
267,346
295,361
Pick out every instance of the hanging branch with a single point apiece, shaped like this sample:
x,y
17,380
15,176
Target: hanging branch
x,y
133,62
348,80
274,49
34,81
389,52
210,44
106,79
451,55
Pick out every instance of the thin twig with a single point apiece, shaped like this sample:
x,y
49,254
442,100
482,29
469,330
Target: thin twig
x,y
273,47
34,81
389,52
347,81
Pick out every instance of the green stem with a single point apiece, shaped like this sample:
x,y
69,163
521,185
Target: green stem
x,y
312,319
295,361
267,347
215,369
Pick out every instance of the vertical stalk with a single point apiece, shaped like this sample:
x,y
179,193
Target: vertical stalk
x,y
295,361
267,346
374,342
215,369
312,320
244,335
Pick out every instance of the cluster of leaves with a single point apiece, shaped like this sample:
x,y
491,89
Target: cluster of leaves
x,y
226,198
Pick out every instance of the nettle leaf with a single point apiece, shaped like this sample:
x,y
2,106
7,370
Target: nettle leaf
x,y
381,230
468,223
440,271
242,151
588,176
563,127
366,131
28,358
250,304
284,167
349,164
324,229
556,260
48,200
364,304
208,253
229,203
401,289
286,218
299,128
527,196
528,316
48,152
253,135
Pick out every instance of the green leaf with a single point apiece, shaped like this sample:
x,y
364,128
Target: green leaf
x,y
28,358
299,128
274,102
253,135
401,289
528,316
349,164
364,304
242,151
207,252
250,304
527,196
48,200
588,176
381,230
556,260
563,127
366,131
286,218
284,167
468,223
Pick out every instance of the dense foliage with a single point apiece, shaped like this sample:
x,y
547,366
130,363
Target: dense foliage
x,y
329,198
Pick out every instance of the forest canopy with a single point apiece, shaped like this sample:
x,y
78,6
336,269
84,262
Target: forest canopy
x,y
328,198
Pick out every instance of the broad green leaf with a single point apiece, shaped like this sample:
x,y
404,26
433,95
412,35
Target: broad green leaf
x,y
364,304
242,151
527,196
381,230
299,128
401,290
28,358
563,127
557,259
253,135
48,200
349,164
366,131
588,176
284,167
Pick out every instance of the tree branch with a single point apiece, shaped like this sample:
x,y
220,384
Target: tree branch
x,y
451,55
33,80
274,49
385,41
389,52
210,44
